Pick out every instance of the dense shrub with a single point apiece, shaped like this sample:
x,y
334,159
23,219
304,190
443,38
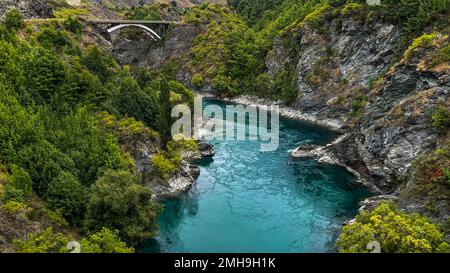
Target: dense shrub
x,y
197,80
441,119
396,232
163,167
186,95
43,162
104,241
119,202
13,19
19,185
66,12
225,54
442,55
44,242
16,209
224,85
74,25
315,18
253,10
420,42
285,87
416,15
357,106
67,195
100,64
132,101
45,76
52,38
433,168
11,73
180,144
47,241
147,12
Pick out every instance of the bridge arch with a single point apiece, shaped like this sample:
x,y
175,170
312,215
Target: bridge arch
x,y
149,31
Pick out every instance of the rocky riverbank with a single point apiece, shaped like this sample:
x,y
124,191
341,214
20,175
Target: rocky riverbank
x,y
186,175
290,112
323,154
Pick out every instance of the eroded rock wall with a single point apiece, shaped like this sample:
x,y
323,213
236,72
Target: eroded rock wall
x,y
330,63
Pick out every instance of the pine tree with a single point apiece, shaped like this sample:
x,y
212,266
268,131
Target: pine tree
x,y
166,111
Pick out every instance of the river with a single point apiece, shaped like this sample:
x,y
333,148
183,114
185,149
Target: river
x,y
250,201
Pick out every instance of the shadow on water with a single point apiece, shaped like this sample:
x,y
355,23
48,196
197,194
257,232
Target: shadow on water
x,y
250,201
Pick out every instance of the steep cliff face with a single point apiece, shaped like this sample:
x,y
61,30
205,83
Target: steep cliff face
x,y
31,8
386,113
144,52
334,62
396,125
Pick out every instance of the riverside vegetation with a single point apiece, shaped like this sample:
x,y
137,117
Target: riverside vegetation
x,y
70,114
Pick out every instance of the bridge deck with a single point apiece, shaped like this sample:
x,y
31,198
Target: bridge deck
x,y
142,22
109,21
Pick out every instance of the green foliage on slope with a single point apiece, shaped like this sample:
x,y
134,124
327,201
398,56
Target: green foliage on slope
x,y
396,232
54,144
225,53
228,55
441,119
118,201
47,241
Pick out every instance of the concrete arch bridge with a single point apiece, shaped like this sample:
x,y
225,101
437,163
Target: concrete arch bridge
x,y
155,29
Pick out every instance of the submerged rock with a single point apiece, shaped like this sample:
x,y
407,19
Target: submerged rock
x,y
206,149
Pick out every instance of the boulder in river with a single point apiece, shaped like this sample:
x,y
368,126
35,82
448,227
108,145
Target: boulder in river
x,y
206,149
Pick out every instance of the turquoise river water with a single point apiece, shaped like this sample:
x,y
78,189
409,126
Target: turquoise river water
x,y
250,201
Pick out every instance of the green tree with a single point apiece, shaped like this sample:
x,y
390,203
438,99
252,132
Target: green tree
x,y
104,241
13,19
286,86
91,150
134,102
54,39
87,88
253,10
145,12
441,119
67,195
416,15
11,72
45,75
119,202
19,185
396,232
44,242
44,162
165,121
101,65
73,24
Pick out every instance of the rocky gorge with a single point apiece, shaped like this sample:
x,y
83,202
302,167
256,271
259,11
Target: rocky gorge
x,y
363,95
352,76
